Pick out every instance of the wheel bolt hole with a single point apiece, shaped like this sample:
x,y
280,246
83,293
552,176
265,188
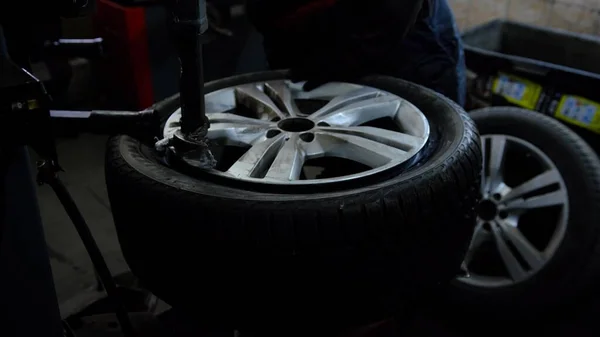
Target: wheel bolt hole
x,y
323,124
503,214
272,133
275,119
487,226
497,196
307,137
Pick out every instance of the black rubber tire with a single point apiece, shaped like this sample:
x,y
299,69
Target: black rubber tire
x,y
575,266
256,257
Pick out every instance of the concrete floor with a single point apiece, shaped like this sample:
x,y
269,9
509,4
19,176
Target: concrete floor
x,y
82,158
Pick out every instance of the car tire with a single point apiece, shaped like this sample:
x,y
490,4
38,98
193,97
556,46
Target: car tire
x,y
247,256
572,265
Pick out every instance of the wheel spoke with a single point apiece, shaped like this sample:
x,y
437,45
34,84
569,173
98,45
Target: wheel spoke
x,y
232,118
257,160
236,130
327,91
538,182
220,101
515,269
362,112
539,201
410,122
398,140
529,253
288,164
496,157
358,149
480,235
345,100
279,92
253,98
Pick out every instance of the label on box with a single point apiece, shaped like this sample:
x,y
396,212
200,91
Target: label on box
x,y
579,111
518,91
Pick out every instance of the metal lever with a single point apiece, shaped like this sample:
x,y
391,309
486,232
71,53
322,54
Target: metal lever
x,y
143,124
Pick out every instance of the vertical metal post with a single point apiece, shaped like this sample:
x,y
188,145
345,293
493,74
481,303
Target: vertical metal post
x,y
190,22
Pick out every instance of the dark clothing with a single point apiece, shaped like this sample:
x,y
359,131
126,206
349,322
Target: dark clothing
x,y
416,40
432,54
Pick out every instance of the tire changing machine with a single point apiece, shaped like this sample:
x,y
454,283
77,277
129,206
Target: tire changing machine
x,y
28,302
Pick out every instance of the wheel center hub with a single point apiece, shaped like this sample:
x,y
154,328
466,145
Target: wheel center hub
x,y
488,210
296,124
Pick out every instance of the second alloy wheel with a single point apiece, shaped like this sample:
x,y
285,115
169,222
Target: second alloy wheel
x,y
536,242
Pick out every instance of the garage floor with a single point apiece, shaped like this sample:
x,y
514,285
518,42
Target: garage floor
x,y
83,161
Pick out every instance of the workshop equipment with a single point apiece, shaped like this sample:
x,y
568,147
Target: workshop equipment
x,y
24,102
27,287
551,71
26,284
142,124
188,26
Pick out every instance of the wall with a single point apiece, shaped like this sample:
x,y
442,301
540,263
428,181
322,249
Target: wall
x,y
581,16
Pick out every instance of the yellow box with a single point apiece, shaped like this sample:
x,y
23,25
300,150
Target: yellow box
x,y
579,111
517,90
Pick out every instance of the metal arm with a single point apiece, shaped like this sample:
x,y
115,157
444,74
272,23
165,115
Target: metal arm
x,y
189,23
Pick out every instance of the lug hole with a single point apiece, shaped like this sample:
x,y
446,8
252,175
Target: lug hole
x,y
323,124
275,119
497,196
503,214
272,133
307,137
487,226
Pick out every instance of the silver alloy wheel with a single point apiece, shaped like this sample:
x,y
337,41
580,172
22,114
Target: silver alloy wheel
x,y
503,207
280,138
